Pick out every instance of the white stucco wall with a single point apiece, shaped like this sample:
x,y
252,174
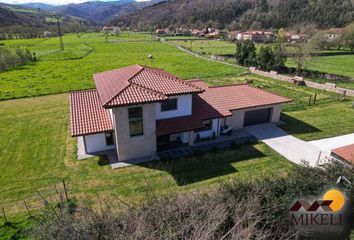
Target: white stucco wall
x,y
184,108
96,143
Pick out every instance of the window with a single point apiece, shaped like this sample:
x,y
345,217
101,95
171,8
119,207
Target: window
x,y
109,139
169,105
208,125
135,121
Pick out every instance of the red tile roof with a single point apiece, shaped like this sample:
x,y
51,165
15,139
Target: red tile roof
x,y
239,96
156,85
346,153
87,116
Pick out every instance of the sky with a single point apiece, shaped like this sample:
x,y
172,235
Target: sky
x,y
53,2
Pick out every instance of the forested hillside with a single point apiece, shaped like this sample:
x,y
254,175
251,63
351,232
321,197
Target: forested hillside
x,y
241,14
23,22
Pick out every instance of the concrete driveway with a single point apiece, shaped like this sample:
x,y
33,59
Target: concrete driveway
x,y
292,148
329,144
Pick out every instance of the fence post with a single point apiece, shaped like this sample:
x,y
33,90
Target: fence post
x,y
3,212
65,191
314,99
29,213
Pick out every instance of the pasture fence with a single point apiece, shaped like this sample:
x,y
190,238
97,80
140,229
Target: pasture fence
x,y
329,87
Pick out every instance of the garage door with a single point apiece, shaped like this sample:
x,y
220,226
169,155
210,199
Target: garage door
x,y
257,116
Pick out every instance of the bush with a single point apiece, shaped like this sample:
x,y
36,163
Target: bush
x,y
236,210
11,58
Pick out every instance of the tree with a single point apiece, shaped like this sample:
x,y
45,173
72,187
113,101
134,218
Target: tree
x,y
349,36
280,56
265,58
303,47
246,53
318,40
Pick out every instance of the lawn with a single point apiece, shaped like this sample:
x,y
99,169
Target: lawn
x,y
37,153
73,68
340,64
208,47
320,121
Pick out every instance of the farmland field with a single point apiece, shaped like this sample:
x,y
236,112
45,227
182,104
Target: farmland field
x,y
341,64
72,69
37,151
338,64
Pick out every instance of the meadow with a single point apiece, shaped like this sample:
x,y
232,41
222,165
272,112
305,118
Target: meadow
x,y
338,64
72,69
37,151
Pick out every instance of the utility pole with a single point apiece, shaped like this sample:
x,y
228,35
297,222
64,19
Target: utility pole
x,y
59,33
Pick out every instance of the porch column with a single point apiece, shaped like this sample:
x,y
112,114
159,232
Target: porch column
x,y
191,138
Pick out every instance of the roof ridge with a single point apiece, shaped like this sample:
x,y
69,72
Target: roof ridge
x,y
174,78
129,83
148,89
188,83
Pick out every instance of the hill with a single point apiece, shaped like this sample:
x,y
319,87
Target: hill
x,y
241,14
96,11
24,22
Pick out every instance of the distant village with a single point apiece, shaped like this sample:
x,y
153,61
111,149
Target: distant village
x,y
260,36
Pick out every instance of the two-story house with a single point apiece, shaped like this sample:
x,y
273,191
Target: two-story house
x,y
138,110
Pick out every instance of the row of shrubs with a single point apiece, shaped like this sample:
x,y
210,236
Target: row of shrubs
x,y
11,58
253,209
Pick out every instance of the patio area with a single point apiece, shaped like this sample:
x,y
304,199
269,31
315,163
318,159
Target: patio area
x,y
237,137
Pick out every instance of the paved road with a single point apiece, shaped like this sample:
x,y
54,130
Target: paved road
x,y
329,144
292,148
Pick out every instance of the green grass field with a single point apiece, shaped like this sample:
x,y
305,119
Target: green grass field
x,y
209,47
37,151
73,68
341,64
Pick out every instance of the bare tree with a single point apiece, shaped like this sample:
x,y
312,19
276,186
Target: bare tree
x,y
303,48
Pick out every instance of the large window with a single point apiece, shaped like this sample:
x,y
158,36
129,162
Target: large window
x,y
169,105
135,121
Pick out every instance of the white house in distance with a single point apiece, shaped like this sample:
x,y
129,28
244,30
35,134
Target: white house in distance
x,y
139,110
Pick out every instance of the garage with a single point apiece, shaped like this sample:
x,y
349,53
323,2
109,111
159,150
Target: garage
x,y
257,116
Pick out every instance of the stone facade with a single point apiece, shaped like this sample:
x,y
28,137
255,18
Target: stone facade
x,y
138,146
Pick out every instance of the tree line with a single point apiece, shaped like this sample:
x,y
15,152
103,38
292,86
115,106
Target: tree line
x,y
240,14
274,57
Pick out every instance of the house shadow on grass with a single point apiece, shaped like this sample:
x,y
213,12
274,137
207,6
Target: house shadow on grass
x,y
195,169
103,160
296,126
